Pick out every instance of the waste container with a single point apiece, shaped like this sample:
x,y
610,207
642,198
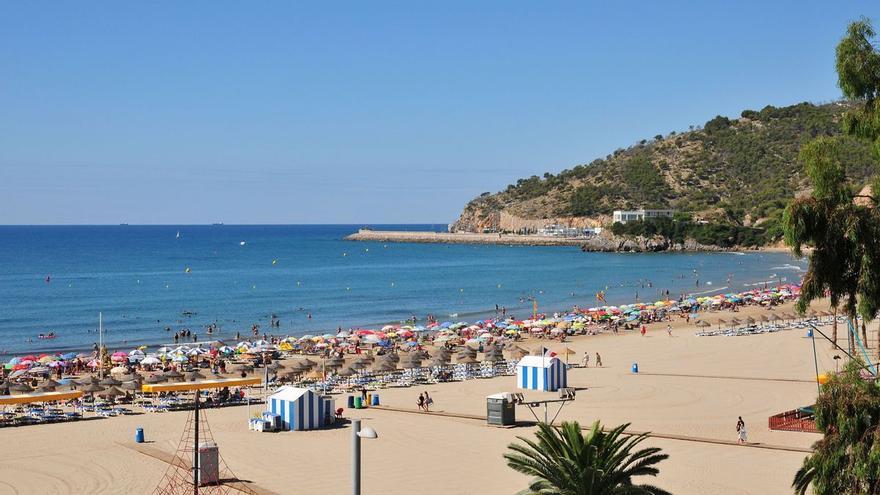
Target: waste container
x,y
139,435
375,400
209,464
635,367
351,402
358,403
500,410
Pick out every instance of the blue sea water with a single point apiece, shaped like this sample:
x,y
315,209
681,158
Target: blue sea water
x,y
57,278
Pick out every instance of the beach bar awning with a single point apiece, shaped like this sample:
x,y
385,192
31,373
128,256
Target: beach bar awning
x,y
7,400
200,385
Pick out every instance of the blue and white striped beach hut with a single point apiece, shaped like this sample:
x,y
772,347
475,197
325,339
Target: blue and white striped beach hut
x,y
541,373
301,409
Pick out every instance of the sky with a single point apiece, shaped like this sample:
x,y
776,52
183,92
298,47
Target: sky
x,y
367,112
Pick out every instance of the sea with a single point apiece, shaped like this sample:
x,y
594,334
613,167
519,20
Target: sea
x,y
148,282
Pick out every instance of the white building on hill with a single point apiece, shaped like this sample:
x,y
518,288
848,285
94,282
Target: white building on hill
x,y
623,216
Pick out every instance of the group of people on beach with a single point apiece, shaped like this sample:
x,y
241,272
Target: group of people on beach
x,y
425,401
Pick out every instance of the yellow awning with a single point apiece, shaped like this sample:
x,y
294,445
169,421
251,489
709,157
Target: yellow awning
x,y
6,400
202,385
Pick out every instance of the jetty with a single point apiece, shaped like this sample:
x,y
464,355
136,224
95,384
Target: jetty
x,y
463,238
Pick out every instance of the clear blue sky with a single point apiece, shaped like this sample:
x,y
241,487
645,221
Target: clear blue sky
x,y
367,112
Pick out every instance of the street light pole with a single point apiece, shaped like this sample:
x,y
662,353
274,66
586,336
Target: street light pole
x,y
356,434
355,457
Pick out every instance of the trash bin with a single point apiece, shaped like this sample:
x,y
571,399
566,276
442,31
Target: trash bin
x,y
358,403
351,402
209,464
375,401
635,367
500,410
810,333
369,399
139,435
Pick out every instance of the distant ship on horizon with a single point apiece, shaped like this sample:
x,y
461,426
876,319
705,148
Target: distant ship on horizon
x,y
217,223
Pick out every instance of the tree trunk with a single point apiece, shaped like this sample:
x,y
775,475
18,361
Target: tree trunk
x,y
834,326
864,335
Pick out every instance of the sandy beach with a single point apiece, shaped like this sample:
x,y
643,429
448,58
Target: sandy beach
x,y
688,393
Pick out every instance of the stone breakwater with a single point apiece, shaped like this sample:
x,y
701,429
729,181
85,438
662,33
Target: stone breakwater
x,y
462,238
604,243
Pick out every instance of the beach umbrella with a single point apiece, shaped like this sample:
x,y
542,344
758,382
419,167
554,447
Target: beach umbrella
x,y
412,362
735,322
173,375
92,388
150,360
132,385
348,371
111,392
703,324
110,382
750,320
45,387
383,366
275,366
334,362
21,387
87,380
466,360
765,319
193,376
156,378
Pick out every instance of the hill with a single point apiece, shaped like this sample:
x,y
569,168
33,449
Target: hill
x,y
737,172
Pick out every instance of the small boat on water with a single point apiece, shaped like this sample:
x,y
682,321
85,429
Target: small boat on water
x,y
178,235
242,243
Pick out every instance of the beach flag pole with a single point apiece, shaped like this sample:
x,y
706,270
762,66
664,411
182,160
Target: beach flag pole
x,y
100,345
196,447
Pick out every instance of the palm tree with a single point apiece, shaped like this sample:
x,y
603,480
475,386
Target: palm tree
x,y
847,458
564,461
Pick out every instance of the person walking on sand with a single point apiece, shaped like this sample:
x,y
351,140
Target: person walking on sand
x,y
644,329
421,402
586,360
428,401
598,360
669,329
741,435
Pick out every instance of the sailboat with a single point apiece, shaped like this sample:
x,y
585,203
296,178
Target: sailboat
x,y
178,234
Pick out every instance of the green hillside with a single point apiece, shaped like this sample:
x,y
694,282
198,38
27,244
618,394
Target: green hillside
x,y
739,172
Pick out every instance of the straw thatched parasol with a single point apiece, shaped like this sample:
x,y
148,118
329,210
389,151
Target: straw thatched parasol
x,y
275,366
49,382
110,382
346,372
383,367
131,385
413,362
173,375
750,320
92,388
193,376
466,360
775,317
703,324
86,380
765,319
45,387
111,392
157,378
493,355
21,387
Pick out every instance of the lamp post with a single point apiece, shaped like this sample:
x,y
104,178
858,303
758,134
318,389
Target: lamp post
x,y
356,434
